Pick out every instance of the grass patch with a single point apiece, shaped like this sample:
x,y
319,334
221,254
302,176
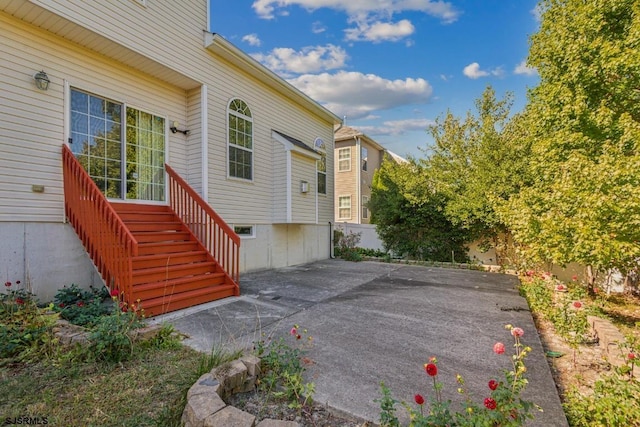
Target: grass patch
x,y
147,390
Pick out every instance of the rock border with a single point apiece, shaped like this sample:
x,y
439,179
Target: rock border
x,y
205,399
69,334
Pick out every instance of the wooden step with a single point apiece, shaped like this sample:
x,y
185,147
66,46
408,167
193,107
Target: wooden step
x,y
162,236
167,247
158,274
160,305
128,217
140,226
165,288
135,207
164,260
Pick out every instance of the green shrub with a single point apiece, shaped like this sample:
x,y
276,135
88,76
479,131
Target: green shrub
x,y
82,307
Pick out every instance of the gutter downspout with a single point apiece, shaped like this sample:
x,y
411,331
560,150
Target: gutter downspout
x,y
358,177
331,255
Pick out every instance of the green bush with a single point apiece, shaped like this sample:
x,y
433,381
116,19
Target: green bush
x,y
82,307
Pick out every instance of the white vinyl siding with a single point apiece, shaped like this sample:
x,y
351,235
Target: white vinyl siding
x,y
344,207
303,204
344,159
32,130
194,139
279,183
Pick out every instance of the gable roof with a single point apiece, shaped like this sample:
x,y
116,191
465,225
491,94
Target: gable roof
x,y
220,46
344,133
298,146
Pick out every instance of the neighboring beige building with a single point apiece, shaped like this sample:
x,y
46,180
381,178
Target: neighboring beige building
x,y
356,159
135,84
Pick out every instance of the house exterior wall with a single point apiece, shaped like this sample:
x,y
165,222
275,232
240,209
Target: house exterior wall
x,y
303,204
374,160
182,81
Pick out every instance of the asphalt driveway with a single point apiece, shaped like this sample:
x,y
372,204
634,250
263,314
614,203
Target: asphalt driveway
x,y
374,322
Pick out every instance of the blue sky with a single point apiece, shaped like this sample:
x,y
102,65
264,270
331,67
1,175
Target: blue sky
x,y
390,66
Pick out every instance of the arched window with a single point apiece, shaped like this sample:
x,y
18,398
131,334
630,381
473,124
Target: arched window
x,y
321,166
240,140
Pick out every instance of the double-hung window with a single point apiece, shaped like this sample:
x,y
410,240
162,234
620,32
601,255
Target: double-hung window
x,y
344,159
321,166
344,207
240,140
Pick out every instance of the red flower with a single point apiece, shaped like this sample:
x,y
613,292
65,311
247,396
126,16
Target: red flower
x,y
490,403
19,301
498,348
631,356
432,369
596,290
80,304
493,384
560,288
298,336
517,332
7,284
17,282
577,304
61,305
574,277
419,399
115,293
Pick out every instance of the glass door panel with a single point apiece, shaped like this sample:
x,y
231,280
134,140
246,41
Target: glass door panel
x,y
145,156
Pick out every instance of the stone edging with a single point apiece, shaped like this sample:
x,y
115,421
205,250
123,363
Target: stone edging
x,y
609,338
205,399
69,334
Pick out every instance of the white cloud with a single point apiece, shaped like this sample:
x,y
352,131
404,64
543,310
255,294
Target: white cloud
x,y
473,71
522,68
310,59
380,31
318,27
446,77
397,127
357,95
252,39
441,9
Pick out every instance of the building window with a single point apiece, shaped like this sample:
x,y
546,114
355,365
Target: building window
x,y
365,209
244,231
344,207
240,140
363,155
321,166
344,159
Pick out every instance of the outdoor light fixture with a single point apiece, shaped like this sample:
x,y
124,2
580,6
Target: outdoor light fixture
x,y
174,129
42,80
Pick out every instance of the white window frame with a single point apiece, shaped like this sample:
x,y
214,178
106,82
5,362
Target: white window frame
x,y
321,147
346,159
239,147
251,235
341,207
365,209
364,156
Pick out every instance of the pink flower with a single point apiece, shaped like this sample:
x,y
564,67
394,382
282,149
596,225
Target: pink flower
x,y
631,356
493,384
490,403
293,331
419,399
530,273
577,304
560,288
517,332
431,369
574,278
498,348
596,290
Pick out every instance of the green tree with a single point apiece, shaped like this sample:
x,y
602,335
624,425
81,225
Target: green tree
x,y
477,164
409,214
584,204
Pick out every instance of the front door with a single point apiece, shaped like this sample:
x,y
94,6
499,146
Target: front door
x,y
122,148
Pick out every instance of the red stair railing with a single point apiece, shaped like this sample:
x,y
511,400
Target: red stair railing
x,y
214,234
107,240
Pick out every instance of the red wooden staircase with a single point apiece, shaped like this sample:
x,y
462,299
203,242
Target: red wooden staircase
x,y
159,257
172,270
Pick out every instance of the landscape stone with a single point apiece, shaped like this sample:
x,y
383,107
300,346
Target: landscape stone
x,y
231,375
230,417
609,338
205,384
199,407
252,363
